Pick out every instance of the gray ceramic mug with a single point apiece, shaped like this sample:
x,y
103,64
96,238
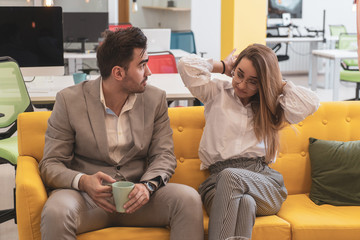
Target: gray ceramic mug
x,y
121,192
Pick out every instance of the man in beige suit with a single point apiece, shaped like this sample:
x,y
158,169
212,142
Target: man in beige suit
x,y
110,129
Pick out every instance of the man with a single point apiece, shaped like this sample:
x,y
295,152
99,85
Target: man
x,y
110,129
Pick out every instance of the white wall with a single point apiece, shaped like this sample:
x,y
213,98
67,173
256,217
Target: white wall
x,y
153,18
82,6
16,3
206,25
113,15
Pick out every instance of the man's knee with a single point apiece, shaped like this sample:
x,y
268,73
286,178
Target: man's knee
x,y
185,194
183,198
62,206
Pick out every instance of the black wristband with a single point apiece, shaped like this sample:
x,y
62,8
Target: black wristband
x,y
223,66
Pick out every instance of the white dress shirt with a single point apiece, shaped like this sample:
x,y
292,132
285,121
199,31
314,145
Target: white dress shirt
x,y
229,132
118,131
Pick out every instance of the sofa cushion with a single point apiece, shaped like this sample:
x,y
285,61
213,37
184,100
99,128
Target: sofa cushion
x,y
126,233
313,222
271,228
335,171
266,227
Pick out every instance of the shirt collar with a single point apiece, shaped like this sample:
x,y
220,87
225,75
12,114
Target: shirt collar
x,y
127,106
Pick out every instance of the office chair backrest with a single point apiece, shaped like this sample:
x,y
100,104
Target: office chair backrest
x,y
162,63
115,27
184,40
348,41
14,97
336,30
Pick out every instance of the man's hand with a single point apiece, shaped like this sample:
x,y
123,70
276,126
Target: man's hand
x,y
92,185
138,197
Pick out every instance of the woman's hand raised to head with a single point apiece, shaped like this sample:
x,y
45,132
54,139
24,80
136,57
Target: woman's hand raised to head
x,y
229,62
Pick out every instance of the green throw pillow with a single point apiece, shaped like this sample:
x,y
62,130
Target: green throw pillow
x,y
335,172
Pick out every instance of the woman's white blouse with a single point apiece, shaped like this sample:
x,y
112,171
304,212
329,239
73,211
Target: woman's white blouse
x,y
229,130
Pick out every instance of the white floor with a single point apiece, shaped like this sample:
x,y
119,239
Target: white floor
x,y
8,230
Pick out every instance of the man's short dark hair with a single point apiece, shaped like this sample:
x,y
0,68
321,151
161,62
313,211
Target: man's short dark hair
x,y
117,49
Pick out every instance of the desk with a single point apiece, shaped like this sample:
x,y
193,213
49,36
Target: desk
x,y
312,40
43,89
335,55
75,60
294,39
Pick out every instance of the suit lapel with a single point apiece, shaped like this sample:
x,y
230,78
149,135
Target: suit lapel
x,y
96,116
137,121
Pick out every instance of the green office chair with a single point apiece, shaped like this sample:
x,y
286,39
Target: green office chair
x,y
350,72
336,30
14,99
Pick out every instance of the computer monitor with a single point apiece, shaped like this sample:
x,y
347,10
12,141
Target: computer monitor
x,y
158,39
84,27
33,37
276,8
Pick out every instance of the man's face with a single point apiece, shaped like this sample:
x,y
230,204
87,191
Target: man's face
x,y
137,73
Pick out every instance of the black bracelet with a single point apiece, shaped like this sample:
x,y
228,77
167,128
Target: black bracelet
x,y
223,66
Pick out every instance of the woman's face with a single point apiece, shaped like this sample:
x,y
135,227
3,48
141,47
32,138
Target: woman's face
x,y
245,80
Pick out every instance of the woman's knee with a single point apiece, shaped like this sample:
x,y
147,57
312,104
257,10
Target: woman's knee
x,y
248,202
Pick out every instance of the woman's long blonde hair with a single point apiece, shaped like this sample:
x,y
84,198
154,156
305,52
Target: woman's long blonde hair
x,y
269,117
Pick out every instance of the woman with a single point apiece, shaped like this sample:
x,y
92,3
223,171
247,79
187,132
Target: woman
x,y
241,135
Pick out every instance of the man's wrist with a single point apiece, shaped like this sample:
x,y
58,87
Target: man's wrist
x,y
76,182
151,187
81,182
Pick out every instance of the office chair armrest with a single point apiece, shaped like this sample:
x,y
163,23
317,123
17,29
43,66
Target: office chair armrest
x,y
30,198
349,67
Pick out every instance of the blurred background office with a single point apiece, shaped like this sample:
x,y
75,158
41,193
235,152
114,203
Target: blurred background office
x,y
217,26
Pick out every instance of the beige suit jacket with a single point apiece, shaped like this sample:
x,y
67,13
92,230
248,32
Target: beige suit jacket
x,y
76,141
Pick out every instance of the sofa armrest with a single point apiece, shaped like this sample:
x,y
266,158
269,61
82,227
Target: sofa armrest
x,y
30,198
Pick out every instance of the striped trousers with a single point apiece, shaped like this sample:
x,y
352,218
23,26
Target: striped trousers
x,y
238,190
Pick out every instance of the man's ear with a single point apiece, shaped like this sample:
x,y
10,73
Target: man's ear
x,y
118,72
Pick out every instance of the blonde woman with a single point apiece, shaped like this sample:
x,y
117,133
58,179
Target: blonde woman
x,y
241,135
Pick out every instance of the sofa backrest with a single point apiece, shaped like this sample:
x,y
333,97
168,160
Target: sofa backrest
x,y
187,124
338,121
333,121
31,133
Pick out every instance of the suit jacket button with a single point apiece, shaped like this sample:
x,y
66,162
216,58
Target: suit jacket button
x,y
118,167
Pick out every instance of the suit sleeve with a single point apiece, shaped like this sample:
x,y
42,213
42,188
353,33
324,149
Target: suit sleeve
x,y
58,149
161,158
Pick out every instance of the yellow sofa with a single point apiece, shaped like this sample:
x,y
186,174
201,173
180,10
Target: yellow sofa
x,y
298,219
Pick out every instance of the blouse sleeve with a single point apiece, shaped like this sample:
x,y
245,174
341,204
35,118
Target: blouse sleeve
x,y
196,75
298,102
